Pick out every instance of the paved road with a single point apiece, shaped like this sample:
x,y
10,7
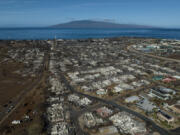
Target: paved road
x,y
122,108
176,131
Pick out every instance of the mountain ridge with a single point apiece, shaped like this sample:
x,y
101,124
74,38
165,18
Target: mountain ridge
x,y
96,24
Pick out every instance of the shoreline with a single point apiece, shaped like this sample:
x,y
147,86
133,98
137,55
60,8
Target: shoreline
x,y
52,33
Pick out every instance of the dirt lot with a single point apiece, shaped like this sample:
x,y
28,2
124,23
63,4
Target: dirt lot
x,y
177,56
11,83
30,113
30,109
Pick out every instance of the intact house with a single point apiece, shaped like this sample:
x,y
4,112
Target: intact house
x,y
162,93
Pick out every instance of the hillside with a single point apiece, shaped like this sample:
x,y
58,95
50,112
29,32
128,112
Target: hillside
x,y
96,24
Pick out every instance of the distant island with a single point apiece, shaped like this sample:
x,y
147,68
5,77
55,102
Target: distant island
x,y
96,24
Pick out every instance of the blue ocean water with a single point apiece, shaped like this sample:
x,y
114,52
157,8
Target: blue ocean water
x,y
51,33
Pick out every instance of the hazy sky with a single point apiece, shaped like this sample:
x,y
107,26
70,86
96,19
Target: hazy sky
x,y
16,13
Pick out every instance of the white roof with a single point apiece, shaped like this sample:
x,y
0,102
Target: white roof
x,y
118,89
108,130
176,76
15,122
101,91
132,99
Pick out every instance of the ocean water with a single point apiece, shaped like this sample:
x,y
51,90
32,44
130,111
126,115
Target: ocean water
x,y
51,33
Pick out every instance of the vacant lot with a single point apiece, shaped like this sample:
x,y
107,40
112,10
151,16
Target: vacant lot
x,y
30,113
11,83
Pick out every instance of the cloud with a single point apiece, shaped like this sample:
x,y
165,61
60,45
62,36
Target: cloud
x,y
70,19
109,20
104,20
